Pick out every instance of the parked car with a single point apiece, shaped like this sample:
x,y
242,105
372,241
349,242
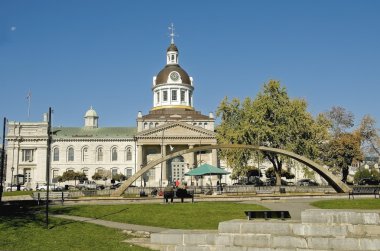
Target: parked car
x,y
14,188
307,182
87,185
116,185
52,187
369,181
256,181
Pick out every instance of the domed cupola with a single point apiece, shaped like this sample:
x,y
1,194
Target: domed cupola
x,y
172,87
91,119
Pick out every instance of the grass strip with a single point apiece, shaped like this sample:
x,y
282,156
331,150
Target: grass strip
x,y
365,203
200,215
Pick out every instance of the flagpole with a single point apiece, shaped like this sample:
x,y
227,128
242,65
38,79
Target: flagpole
x,y
29,97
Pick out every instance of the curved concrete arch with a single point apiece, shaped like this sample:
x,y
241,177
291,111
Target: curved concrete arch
x,y
337,184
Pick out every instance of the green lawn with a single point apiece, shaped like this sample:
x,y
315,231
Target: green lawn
x,y
367,203
15,193
200,215
26,231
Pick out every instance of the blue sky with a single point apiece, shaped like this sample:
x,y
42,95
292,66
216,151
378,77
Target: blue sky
x,y
75,53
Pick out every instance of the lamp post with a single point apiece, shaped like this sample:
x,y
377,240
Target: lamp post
x,y
12,170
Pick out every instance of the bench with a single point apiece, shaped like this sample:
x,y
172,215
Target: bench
x,y
179,193
41,196
364,190
264,214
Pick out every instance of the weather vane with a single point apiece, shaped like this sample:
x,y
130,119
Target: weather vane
x,y
172,34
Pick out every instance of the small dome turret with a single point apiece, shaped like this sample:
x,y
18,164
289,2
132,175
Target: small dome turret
x,y
91,119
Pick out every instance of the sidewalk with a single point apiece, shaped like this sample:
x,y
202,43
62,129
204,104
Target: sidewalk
x,y
112,224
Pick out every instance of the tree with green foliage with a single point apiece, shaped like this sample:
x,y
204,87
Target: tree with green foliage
x,y
343,150
272,119
284,173
71,175
369,134
343,147
366,173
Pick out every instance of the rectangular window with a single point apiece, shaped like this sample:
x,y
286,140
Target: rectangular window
x,y
128,173
158,97
54,177
183,96
165,95
56,154
152,174
174,95
100,154
27,155
27,175
113,172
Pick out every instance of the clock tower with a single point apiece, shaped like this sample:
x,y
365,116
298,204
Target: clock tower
x,y
172,87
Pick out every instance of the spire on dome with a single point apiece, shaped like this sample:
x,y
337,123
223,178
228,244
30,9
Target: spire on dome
x,y
172,34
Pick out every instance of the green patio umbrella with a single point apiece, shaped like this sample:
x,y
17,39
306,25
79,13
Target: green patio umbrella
x,y
206,169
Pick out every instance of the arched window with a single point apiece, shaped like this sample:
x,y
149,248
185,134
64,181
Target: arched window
x,y
85,154
70,154
114,154
56,154
113,172
129,154
100,154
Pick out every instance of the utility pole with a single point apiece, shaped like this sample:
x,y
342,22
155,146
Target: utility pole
x,y
2,161
48,167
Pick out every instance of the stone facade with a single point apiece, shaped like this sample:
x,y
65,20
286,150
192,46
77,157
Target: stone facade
x,y
172,124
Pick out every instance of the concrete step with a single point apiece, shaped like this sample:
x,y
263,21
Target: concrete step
x,y
293,242
275,227
182,237
340,217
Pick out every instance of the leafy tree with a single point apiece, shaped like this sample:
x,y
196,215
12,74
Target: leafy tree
x,y
369,133
343,147
119,177
343,150
340,119
284,173
272,119
71,175
361,174
97,176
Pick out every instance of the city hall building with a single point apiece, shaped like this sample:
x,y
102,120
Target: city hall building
x,y
171,125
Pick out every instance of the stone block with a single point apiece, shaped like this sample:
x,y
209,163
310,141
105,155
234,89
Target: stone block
x,y
195,248
364,231
199,239
166,238
230,226
288,242
224,240
318,243
369,244
346,244
252,240
308,229
266,227
339,217
232,249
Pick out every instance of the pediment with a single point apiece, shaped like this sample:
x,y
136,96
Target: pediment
x,y
176,129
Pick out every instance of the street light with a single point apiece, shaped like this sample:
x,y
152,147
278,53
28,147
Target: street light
x,y
12,169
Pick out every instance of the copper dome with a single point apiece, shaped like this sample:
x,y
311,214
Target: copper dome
x,y
163,75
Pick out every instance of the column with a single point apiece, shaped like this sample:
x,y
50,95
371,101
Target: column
x,y
139,156
192,158
214,157
164,167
